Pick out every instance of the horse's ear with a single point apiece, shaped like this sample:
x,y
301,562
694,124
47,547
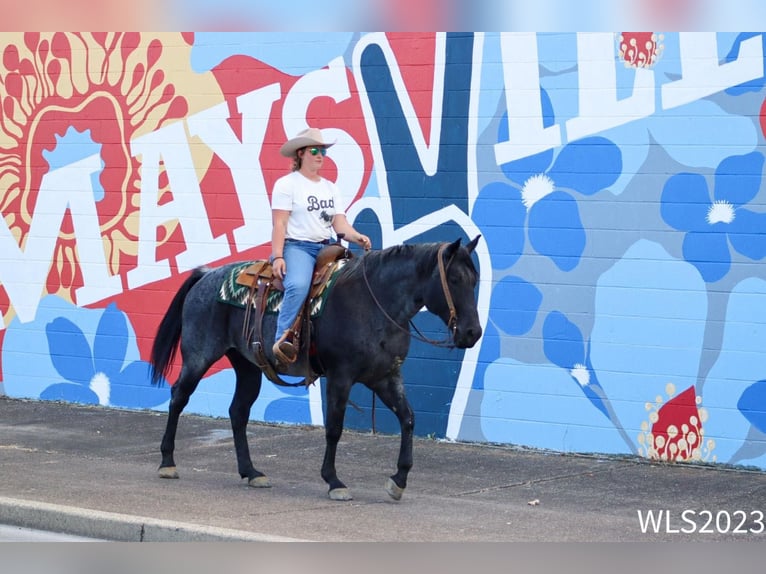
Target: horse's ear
x,y
452,249
472,245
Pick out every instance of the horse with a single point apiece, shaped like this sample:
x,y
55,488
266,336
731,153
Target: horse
x,y
362,336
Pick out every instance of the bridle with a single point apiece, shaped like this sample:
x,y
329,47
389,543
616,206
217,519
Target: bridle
x,y
452,321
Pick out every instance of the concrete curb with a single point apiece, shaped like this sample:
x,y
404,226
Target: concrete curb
x,y
111,526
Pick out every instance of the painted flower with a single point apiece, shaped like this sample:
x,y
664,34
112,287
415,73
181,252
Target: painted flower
x,y
539,192
675,429
93,357
77,354
712,223
640,49
99,373
111,87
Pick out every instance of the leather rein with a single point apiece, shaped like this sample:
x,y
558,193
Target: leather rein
x,y
451,323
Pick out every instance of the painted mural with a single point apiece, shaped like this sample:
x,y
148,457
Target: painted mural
x,y
616,179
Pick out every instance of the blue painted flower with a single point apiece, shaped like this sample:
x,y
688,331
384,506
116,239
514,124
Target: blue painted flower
x,y
711,223
94,351
553,223
539,189
99,374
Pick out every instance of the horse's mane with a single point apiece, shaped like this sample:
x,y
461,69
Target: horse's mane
x,y
420,256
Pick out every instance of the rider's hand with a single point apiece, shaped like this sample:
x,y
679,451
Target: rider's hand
x,y
279,267
364,241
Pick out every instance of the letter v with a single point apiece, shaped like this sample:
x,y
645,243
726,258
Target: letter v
x,y
433,173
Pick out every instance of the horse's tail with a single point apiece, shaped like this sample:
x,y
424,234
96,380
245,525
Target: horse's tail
x,y
169,331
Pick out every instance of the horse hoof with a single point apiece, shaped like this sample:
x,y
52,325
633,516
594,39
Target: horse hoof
x,y
394,490
168,472
259,482
340,494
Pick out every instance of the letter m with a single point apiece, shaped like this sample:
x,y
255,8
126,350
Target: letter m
x,y
24,271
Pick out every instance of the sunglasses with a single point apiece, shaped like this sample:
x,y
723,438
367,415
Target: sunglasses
x,y
318,150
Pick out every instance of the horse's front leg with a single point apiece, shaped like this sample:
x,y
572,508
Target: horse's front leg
x,y
391,392
336,398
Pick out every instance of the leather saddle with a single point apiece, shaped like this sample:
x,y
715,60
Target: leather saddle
x,y
260,280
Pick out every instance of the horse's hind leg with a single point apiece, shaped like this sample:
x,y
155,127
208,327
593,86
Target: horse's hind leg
x,y
393,396
248,387
179,397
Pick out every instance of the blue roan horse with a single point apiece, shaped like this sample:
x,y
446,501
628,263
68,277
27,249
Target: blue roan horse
x,y
361,336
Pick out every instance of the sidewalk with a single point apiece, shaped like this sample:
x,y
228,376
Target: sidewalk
x,y
91,471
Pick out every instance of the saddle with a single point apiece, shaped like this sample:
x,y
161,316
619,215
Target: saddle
x,y
260,280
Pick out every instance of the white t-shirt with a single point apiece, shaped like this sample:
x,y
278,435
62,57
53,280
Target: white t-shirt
x,y
312,204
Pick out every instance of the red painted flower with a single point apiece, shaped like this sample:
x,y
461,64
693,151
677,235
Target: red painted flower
x,y
677,432
640,49
114,85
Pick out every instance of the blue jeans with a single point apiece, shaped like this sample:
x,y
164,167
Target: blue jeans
x,y
300,258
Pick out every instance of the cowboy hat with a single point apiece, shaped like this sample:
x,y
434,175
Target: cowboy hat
x,y
309,136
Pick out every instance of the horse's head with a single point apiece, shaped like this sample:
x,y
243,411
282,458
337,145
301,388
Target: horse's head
x,y
451,294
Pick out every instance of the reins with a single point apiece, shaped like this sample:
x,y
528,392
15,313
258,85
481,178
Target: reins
x,y
451,323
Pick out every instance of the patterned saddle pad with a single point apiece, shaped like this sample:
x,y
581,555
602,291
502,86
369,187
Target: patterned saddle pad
x,y
232,293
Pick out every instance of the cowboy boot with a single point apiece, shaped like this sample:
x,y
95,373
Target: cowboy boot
x,y
287,347
284,349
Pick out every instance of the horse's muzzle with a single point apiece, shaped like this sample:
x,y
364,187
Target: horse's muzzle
x,y
467,338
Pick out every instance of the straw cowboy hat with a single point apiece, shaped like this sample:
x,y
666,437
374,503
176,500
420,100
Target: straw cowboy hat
x,y
308,137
